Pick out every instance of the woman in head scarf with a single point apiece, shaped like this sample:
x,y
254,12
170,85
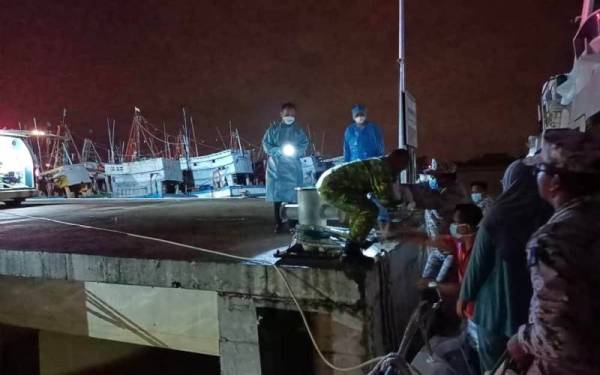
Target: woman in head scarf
x,y
497,277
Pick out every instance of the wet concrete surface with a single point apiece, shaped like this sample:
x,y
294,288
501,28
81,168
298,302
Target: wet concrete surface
x,y
242,227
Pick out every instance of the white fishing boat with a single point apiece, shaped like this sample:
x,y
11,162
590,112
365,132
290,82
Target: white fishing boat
x,y
153,177
70,172
224,174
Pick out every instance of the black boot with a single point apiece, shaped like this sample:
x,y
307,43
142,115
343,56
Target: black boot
x,y
353,255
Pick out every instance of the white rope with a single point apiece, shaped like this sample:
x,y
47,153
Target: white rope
x,y
230,256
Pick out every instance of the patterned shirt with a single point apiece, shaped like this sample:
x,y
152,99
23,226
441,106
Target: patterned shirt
x,y
363,176
563,333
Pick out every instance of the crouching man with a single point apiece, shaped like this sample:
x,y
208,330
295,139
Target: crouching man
x,y
347,187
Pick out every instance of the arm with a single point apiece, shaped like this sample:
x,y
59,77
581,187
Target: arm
x,y
480,265
379,140
549,328
385,193
424,197
302,143
269,144
346,147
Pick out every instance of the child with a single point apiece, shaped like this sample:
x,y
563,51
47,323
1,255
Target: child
x,y
456,247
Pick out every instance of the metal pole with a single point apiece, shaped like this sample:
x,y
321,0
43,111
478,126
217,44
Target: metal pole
x,y
401,77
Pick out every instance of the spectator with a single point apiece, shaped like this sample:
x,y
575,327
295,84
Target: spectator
x,y
497,279
480,196
563,336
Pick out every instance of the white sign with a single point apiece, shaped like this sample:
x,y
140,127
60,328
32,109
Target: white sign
x,y
410,119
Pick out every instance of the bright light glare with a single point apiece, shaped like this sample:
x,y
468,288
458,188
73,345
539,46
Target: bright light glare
x,y
16,163
37,133
289,150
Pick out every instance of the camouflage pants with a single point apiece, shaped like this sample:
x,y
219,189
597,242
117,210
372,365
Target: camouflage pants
x,y
362,213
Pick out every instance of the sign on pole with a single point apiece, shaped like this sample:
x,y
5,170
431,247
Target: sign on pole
x,y
410,120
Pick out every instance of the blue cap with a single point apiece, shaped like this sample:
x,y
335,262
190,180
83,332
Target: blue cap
x,y
358,108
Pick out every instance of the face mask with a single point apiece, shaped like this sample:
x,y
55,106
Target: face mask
x,y
460,230
476,197
360,120
433,183
288,120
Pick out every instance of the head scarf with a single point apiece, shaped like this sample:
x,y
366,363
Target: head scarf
x,y
517,213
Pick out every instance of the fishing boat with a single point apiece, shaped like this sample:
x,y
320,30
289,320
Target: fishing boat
x,y
64,170
143,172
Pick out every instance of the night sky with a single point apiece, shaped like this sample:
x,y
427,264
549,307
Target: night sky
x,y
475,67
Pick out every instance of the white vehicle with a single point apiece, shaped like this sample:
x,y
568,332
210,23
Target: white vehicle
x,y
17,177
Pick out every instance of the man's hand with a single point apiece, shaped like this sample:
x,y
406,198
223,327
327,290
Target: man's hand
x,y
423,284
518,355
461,306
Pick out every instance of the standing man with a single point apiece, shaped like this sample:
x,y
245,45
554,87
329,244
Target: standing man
x,y
362,138
480,196
562,336
285,143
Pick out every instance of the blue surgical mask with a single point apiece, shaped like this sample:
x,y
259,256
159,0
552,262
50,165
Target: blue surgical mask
x,y
454,230
460,230
433,183
476,197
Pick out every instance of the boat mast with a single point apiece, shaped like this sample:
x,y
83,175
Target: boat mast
x,y
111,141
40,160
186,140
194,135
167,146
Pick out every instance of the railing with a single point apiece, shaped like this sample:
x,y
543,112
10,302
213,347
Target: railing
x,y
588,33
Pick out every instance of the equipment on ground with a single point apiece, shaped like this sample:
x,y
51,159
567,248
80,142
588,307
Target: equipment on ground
x,y
313,237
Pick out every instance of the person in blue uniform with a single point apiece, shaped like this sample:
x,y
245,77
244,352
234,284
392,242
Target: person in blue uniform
x,y
285,143
362,139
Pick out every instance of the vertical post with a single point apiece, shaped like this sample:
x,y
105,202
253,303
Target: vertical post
x,y
405,176
401,77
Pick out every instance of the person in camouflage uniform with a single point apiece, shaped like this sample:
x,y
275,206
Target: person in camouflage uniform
x,y
347,187
563,334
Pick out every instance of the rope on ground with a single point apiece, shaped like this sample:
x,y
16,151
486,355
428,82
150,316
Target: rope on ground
x,y
230,256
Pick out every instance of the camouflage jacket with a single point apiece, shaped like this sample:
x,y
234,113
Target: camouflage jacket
x,y
563,333
362,176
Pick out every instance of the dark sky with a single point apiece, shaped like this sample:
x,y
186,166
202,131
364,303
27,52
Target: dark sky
x,y
475,67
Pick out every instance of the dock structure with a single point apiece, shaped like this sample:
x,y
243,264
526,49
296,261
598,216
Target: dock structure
x,y
72,283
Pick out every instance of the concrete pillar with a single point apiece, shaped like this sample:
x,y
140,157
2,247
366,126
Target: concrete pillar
x,y
238,329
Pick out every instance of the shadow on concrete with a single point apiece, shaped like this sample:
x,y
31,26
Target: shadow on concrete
x,y
111,315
